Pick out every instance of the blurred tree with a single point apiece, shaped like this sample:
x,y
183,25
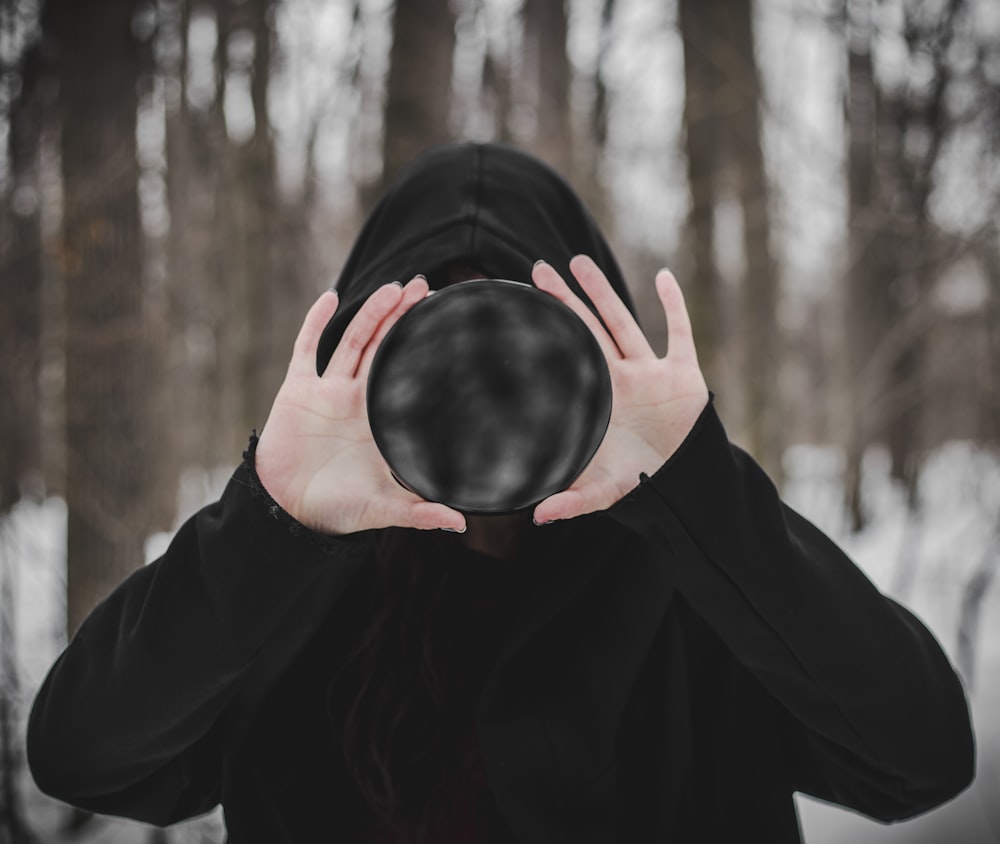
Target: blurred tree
x,y
15,827
497,85
989,371
418,89
599,114
191,301
546,82
21,291
228,269
703,85
917,124
107,484
761,329
205,259
865,305
590,148
896,133
266,293
240,265
20,421
726,160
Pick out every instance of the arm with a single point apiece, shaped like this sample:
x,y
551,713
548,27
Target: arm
x,y
128,720
882,721
880,718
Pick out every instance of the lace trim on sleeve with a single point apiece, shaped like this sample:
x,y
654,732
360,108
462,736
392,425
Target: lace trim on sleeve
x,y
326,542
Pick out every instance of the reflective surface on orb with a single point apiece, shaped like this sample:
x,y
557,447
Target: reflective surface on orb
x,y
488,396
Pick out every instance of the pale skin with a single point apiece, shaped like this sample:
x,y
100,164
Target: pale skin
x,y
318,460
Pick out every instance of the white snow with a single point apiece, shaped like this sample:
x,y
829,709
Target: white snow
x,y
924,559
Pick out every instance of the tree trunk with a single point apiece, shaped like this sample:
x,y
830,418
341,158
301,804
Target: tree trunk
x,y
588,148
269,292
923,111
761,331
988,407
738,348
21,294
189,311
547,76
106,357
970,610
497,92
864,304
14,824
702,131
418,96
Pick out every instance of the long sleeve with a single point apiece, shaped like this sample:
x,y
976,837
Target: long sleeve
x,y
127,721
880,720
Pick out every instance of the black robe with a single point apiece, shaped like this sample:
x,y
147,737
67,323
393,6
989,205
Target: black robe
x,y
676,667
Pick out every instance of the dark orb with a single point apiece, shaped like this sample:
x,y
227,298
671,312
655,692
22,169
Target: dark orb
x,y
488,396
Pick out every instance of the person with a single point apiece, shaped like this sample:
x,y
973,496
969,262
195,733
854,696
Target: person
x,y
661,651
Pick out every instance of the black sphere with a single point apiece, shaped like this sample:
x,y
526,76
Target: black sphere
x,y
488,396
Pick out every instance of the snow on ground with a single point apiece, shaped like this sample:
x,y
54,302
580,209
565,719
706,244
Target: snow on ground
x,y
924,558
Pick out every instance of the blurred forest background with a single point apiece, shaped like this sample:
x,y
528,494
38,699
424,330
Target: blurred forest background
x,y
179,179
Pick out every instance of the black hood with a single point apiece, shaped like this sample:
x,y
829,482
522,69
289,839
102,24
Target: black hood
x,y
487,207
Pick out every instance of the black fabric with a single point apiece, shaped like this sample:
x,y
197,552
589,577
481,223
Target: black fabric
x,y
682,679
674,668
291,751
487,207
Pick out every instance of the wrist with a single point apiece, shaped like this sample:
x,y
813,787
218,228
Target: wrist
x,y
265,474
679,422
268,472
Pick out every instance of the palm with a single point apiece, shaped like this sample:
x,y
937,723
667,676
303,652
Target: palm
x,y
656,400
316,456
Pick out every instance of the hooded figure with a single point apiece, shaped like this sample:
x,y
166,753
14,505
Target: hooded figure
x,y
482,208
488,211
672,666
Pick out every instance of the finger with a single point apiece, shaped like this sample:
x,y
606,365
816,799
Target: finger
x,y
304,351
571,503
407,509
415,291
362,328
620,323
430,516
680,338
546,278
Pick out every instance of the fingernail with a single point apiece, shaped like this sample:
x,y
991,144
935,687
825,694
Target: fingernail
x,y
455,530
539,261
421,275
398,284
541,524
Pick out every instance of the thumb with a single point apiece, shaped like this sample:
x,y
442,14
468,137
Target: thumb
x,y
414,512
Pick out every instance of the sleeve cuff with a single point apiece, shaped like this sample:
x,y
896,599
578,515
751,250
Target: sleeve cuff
x,y
685,480
247,476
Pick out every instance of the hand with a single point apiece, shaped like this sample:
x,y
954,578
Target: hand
x,y
655,401
316,456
